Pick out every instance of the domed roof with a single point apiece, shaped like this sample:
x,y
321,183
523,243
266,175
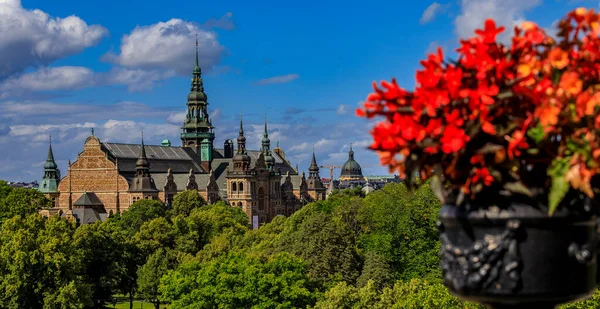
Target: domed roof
x,y
269,160
242,157
351,168
197,96
166,142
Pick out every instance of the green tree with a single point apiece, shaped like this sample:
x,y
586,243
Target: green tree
x,y
416,294
100,256
197,229
139,212
129,260
155,234
376,270
184,202
320,234
4,190
400,227
241,281
21,202
149,275
39,266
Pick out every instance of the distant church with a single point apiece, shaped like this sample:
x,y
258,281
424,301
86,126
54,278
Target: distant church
x,y
108,177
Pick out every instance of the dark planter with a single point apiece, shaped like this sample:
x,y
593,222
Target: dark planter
x,y
518,257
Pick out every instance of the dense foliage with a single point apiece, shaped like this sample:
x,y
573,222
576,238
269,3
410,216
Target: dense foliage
x,y
380,251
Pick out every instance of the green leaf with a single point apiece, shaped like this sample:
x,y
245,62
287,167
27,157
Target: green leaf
x,y
536,133
556,77
558,171
518,187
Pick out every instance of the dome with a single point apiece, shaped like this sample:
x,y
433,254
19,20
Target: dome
x,y
197,96
241,157
351,169
269,160
165,142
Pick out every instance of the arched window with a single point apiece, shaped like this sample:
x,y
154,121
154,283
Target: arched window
x,y
233,187
261,198
241,186
240,204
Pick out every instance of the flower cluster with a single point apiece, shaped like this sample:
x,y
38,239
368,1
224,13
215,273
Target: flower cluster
x,y
523,118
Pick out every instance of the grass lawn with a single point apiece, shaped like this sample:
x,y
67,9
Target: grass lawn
x,y
136,305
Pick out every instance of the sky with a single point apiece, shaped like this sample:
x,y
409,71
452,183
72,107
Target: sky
x,y
121,67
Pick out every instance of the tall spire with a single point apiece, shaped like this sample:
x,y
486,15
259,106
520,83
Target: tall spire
x,y
51,177
351,153
142,163
50,154
142,182
266,142
197,130
314,168
241,139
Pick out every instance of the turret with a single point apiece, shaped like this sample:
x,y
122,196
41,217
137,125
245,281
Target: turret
x,y
241,161
314,183
49,183
197,130
142,182
266,145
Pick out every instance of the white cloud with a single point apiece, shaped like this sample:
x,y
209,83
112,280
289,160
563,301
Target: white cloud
x,y
430,12
324,143
225,22
342,109
113,131
17,112
45,79
507,13
300,147
176,117
34,38
73,78
278,79
168,46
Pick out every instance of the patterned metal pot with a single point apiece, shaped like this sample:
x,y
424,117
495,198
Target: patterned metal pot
x,y
518,257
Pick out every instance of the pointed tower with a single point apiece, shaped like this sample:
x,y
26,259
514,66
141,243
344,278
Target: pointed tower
x,y
239,178
49,183
197,130
315,187
191,183
266,149
142,185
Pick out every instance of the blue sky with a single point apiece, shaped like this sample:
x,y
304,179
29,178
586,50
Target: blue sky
x,y
122,67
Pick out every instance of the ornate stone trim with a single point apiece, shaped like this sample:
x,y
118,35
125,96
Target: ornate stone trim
x,y
493,262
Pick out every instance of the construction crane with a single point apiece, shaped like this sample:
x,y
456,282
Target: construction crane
x,y
331,168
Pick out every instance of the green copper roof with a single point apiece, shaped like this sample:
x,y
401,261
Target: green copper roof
x,y
351,167
49,183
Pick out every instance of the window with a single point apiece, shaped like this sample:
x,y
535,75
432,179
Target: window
x,y
53,202
261,198
233,187
241,186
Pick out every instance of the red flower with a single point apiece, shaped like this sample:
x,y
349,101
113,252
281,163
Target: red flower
x,y
482,175
453,139
516,143
489,32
